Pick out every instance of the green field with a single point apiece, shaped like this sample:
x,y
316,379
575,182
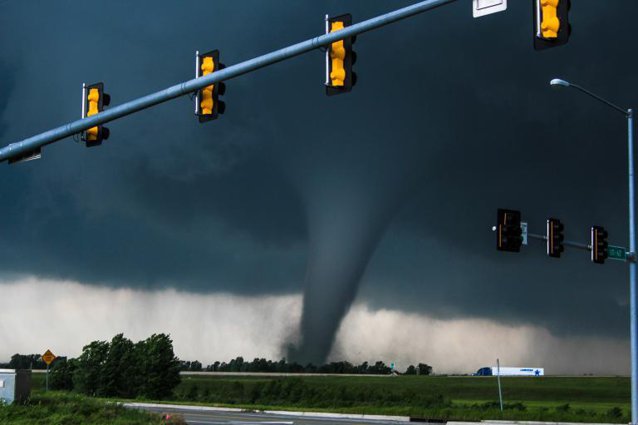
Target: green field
x,y
587,399
566,399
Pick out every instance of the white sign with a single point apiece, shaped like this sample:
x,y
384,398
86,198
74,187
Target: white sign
x,y
524,232
487,7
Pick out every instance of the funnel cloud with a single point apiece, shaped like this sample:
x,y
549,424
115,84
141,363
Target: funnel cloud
x,y
346,219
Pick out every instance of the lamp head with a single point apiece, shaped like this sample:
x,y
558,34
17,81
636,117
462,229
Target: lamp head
x,y
558,83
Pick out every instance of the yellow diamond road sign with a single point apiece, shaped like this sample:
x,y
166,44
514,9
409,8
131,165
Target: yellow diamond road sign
x,y
48,357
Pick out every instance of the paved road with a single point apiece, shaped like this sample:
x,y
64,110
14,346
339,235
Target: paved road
x,y
208,417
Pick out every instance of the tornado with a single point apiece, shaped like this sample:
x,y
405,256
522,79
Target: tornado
x,y
347,214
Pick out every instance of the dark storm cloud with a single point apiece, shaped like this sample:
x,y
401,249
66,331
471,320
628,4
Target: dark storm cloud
x,y
168,204
518,144
445,105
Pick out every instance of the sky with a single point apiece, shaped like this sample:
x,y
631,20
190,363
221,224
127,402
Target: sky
x,y
356,227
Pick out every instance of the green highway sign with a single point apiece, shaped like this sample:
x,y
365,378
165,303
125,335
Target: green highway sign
x,y
617,253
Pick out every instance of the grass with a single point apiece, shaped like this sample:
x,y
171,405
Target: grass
x,y
579,399
563,399
59,408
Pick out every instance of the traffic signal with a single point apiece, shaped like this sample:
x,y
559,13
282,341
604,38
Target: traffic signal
x,y
93,102
555,237
207,104
339,58
599,245
508,230
551,23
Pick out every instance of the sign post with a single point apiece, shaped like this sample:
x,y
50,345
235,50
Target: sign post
x,y
48,358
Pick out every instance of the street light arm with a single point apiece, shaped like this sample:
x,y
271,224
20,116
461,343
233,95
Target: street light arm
x,y
625,112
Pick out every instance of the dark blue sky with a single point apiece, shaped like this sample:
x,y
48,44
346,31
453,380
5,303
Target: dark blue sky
x,y
452,117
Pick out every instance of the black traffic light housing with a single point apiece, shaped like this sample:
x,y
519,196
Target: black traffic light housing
x,y
349,59
508,230
544,40
555,237
91,106
218,89
599,244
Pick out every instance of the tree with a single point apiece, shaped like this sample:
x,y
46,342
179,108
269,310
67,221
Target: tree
x,y
61,375
379,368
236,365
88,378
212,367
26,361
159,366
362,368
411,370
424,369
120,372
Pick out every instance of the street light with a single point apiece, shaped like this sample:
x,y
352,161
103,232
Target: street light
x,y
633,301
558,83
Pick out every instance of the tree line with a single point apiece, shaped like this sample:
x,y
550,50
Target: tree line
x,y
25,361
238,364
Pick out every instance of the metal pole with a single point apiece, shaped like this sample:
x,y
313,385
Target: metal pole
x,y
572,244
601,99
633,317
47,379
31,144
498,378
631,255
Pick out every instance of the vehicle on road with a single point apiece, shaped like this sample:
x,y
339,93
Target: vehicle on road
x,y
510,371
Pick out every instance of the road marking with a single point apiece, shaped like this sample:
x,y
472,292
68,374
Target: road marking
x,y
239,422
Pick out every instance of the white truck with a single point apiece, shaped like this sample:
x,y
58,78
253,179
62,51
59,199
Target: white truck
x,y
511,371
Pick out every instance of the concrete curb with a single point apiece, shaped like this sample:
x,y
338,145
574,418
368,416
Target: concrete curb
x,y
273,412
186,407
338,415
499,422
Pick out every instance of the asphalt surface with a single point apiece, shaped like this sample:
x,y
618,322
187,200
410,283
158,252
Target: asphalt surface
x,y
204,417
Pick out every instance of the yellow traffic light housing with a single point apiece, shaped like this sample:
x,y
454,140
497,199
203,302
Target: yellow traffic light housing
x,y
93,102
207,103
339,58
551,23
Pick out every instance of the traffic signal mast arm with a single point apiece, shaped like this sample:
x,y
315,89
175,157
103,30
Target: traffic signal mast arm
x,y
572,244
577,245
33,144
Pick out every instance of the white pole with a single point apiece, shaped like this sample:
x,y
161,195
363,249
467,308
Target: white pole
x,y
498,378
